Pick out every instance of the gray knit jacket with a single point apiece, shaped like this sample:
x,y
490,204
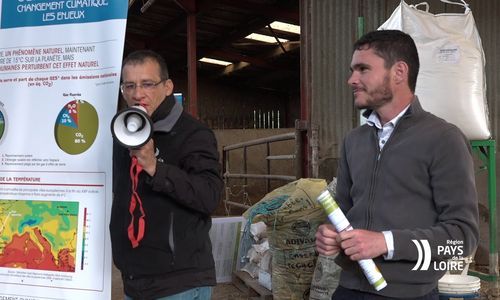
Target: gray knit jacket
x,y
421,186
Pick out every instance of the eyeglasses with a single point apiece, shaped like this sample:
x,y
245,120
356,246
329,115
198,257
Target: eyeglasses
x,y
129,87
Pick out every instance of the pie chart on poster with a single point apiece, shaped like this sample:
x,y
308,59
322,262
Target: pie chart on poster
x,y
76,127
3,123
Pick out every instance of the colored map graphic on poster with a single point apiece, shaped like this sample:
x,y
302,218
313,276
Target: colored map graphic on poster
x,y
38,235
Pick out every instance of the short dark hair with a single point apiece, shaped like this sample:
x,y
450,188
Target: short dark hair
x,y
393,46
140,56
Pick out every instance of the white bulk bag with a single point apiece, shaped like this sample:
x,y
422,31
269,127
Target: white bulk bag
x,y
451,83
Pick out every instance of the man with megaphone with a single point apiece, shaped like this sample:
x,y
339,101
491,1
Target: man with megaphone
x,y
166,185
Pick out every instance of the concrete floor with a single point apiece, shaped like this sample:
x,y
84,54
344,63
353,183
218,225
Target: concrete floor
x,y
223,291
227,291
116,285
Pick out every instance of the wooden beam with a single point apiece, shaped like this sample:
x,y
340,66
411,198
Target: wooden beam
x,y
192,65
305,81
234,68
189,6
238,33
287,47
262,62
305,61
268,11
145,6
178,24
225,40
228,55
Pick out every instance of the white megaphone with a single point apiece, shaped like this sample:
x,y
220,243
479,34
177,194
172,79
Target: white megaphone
x,y
132,127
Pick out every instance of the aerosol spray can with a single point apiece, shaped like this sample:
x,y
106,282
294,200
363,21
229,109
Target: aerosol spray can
x,y
339,220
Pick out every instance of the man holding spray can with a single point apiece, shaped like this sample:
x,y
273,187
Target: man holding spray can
x,y
405,177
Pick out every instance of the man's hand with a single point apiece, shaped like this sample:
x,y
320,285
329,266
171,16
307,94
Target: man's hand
x,y
361,244
326,240
146,157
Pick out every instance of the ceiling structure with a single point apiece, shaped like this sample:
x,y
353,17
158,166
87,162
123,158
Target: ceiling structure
x,y
221,29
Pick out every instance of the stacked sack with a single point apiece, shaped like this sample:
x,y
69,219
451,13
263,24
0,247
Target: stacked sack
x,y
292,216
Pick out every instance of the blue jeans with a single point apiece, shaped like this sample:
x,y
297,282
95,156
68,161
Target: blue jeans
x,y
200,293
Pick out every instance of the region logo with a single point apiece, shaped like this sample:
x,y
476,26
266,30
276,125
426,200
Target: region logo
x,y
453,249
424,255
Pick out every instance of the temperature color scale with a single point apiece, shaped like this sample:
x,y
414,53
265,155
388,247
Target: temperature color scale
x,y
84,239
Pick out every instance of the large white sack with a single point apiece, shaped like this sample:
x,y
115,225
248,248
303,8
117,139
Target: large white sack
x,y
451,83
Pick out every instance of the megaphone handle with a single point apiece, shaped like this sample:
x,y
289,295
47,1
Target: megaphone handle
x,y
135,170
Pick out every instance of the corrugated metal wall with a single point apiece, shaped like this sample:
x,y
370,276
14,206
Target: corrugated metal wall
x,y
332,26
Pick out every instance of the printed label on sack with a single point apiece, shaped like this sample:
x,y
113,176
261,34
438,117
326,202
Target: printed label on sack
x,y
448,54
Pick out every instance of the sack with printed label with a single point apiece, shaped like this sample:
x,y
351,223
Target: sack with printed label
x,y
451,83
292,215
326,275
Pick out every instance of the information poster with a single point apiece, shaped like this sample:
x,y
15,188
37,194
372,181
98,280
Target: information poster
x,y
59,80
